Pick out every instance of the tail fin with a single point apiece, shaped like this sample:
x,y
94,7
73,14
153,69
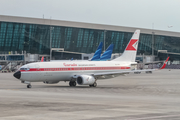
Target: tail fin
x,y
164,65
97,54
131,49
42,59
107,54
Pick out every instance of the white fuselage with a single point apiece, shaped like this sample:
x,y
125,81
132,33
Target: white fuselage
x,y
65,70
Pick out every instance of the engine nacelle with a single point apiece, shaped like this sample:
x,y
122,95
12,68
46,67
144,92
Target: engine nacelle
x,y
50,82
85,80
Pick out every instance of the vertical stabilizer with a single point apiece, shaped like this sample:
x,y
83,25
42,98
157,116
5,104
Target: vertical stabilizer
x,y
129,54
107,54
97,54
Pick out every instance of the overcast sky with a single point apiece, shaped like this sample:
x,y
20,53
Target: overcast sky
x,y
131,13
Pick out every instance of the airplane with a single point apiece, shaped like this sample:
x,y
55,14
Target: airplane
x,y
97,54
107,54
82,72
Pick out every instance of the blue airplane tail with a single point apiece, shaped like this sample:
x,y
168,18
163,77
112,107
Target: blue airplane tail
x,y
97,54
107,54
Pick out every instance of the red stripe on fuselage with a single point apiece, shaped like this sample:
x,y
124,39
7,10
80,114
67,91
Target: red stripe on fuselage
x,y
74,69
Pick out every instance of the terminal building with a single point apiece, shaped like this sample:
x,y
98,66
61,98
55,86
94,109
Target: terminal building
x,y
28,39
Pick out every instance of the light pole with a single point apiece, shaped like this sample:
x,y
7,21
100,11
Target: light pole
x,y
51,28
169,28
152,43
152,39
104,39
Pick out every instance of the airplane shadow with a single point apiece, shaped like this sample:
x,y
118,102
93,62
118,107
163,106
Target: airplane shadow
x,y
60,87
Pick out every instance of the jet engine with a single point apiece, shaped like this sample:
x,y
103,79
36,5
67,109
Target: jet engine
x,y
85,80
50,82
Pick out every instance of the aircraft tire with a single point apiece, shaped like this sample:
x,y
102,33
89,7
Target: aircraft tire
x,y
95,84
73,83
29,86
70,83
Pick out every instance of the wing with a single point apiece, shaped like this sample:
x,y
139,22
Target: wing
x,y
130,71
107,75
122,72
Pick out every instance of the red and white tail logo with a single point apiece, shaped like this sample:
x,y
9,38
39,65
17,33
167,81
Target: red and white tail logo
x,y
132,45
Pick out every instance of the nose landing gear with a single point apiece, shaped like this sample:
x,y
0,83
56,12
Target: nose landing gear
x,y
29,86
28,83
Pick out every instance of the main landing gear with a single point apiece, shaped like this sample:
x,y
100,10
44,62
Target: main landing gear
x,y
93,85
72,83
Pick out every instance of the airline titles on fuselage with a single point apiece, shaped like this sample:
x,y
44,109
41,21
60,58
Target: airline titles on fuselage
x,y
68,65
86,65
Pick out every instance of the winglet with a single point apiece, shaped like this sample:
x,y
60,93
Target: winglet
x,y
164,65
42,59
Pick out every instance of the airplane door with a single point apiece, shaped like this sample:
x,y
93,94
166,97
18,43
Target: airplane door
x,y
38,75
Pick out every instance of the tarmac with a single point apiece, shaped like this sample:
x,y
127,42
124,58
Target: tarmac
x,y
142,96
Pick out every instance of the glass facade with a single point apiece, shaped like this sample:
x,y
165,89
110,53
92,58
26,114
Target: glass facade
x,y
35,39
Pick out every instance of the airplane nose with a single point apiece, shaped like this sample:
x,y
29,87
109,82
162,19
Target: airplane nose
x,y
17,74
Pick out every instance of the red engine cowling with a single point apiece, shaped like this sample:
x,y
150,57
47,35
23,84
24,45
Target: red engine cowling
x,y
85,80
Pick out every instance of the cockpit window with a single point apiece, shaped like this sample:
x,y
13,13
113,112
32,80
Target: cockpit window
x,y
24,68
